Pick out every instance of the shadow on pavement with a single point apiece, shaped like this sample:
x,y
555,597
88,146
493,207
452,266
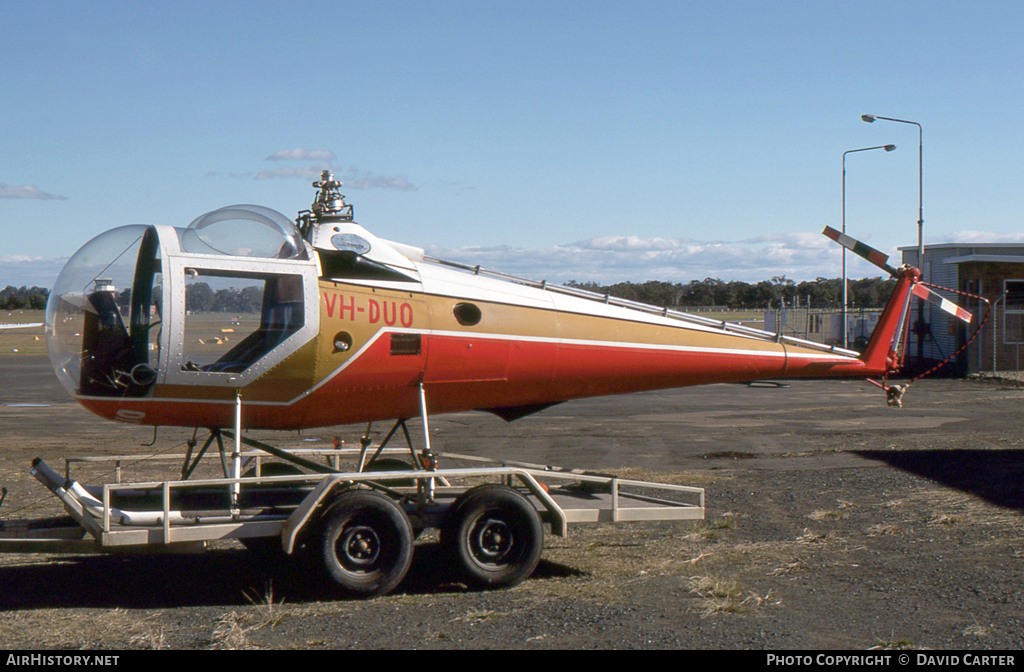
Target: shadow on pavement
x,y
227,577
997,476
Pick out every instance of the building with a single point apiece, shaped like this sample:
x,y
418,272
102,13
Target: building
x,y
992,270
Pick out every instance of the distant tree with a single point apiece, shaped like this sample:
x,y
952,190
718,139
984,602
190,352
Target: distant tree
x,y
19,298
198,297
251,299
871,292
821,292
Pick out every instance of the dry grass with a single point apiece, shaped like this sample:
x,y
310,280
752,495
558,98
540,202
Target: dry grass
x,y
977,631
474,616
789,568
726,596
233,629
230,634
826,514
267,612
152,638
809,537
885,530
891,644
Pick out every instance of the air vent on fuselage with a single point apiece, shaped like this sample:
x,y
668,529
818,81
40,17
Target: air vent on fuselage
x,y
405,344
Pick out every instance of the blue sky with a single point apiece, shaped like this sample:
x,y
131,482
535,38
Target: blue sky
x,y
559,140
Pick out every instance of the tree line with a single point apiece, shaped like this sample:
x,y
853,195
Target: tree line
x,y
21,298
201,298
735,295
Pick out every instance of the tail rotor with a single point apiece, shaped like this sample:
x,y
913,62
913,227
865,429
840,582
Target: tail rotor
x,y
917,288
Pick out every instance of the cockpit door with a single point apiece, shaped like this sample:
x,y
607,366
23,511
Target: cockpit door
x,y
234,318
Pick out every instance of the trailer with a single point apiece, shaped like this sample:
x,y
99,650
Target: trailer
x,y
354,518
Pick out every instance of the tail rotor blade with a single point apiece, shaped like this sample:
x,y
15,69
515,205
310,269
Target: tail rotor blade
x,y
944,304
861,250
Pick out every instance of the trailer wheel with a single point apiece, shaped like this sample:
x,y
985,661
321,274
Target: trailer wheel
x,y
367,543
494,535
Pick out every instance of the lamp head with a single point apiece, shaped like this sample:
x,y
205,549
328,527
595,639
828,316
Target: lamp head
x,y
870,118
889,148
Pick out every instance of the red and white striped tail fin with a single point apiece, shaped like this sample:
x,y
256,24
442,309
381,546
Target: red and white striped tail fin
x,y
945,304
877,258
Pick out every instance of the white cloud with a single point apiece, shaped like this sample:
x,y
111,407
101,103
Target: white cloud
x,y
353,179
22,270
982,237
27,191
305,172
300,154
610,259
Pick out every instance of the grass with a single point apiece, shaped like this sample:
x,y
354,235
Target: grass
x,y
26,341
829,514
478,616
151,638
233,629
726,596
885,530
891,643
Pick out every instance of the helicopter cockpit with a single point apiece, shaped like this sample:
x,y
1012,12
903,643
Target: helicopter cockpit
x,y
216,303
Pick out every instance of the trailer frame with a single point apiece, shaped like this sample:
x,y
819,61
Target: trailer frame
x,y
98,519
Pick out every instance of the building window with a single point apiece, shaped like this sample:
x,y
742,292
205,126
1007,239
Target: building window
x,y
1013,312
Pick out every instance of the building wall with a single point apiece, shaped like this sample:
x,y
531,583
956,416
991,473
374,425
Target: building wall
x,y
992,349
940,338
987,279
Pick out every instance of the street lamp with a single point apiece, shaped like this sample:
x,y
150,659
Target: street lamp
x,y
887,148
870,118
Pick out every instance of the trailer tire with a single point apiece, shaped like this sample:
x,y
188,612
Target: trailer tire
x,y
494,536
367,543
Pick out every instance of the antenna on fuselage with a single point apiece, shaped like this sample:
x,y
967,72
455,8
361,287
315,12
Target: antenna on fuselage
x,y
329,206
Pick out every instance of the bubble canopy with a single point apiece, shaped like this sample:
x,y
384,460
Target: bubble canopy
x,y
104,312
94,292
243,231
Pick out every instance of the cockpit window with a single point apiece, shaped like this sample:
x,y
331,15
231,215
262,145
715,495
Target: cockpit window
x,y
232,319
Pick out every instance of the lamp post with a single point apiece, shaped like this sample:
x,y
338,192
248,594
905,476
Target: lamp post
x,y
887,148
870,118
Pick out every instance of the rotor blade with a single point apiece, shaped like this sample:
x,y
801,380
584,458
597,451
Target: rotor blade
x,y
860,249
935,298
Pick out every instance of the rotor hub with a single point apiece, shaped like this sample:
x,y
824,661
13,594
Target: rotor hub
x,y
330,202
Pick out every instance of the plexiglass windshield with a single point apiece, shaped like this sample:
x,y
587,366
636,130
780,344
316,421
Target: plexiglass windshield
x,y
103,314
244,231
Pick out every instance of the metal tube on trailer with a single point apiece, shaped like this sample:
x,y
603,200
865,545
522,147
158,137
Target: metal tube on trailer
x,y
236,457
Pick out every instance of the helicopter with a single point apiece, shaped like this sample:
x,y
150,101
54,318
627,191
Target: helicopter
x,y
246,319
330,324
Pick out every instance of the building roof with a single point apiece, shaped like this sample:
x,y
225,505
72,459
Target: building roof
x,y
1001,258
962,253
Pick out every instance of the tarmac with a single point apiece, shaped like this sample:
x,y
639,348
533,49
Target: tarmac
x,y
833,521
